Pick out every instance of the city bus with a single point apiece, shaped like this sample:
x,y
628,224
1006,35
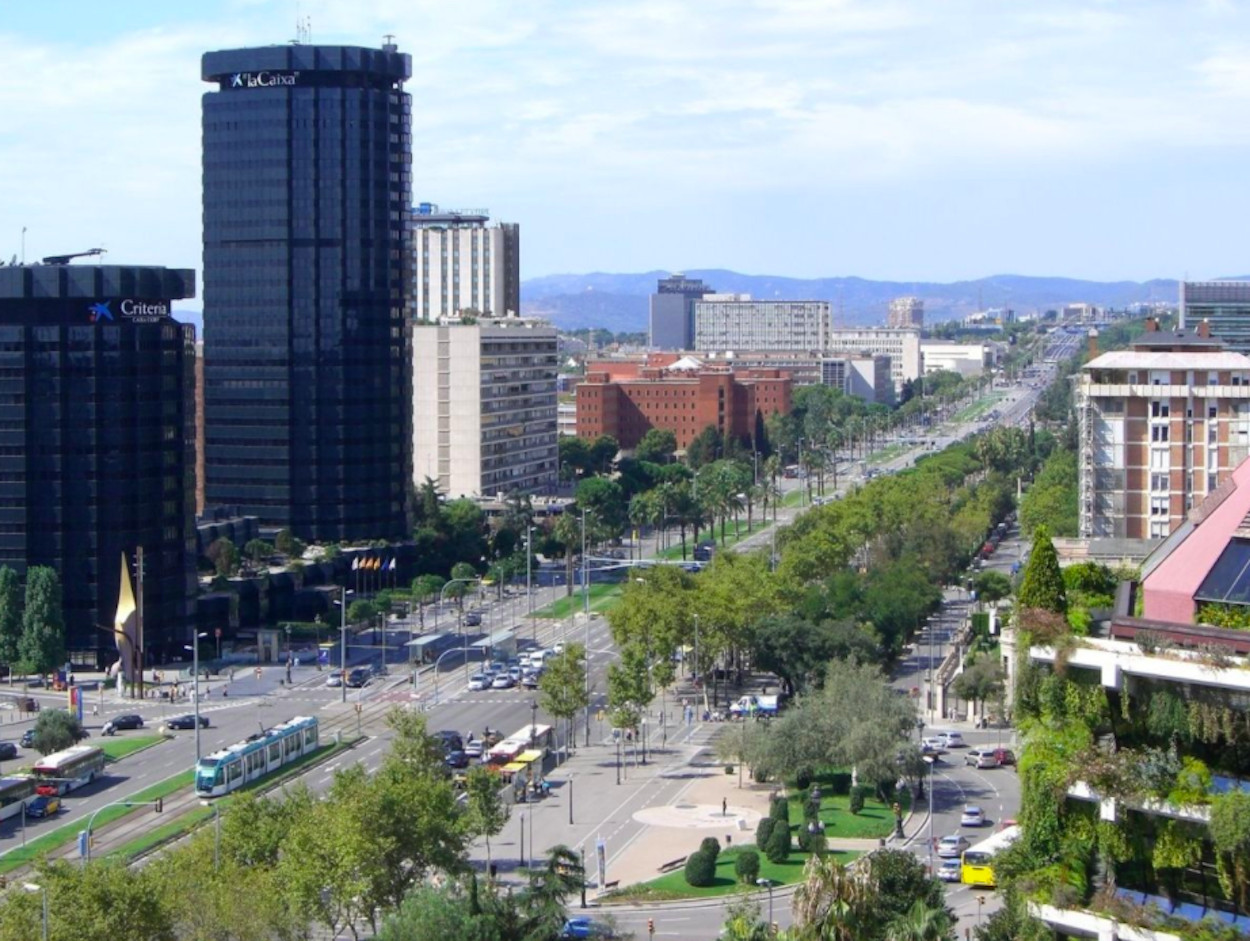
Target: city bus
x,y
976,867
64,771
14,793
260,754
539,738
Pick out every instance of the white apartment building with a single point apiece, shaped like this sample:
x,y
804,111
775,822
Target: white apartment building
x,y
905,313
966,359
902,346
736,322
484,407
1161,426
462,263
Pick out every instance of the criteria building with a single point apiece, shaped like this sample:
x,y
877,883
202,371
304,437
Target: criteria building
x,y
1224,305
307,191
484,407
463,263
902,346
736,322
97,457
672,312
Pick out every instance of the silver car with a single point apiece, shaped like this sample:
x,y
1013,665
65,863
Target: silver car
x,y
952,847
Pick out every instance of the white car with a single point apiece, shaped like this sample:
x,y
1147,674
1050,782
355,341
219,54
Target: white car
x,y
953,739
502,681
473,749
558,649
972,817
334,679
479,681
952,847
935,744
981,758
948,871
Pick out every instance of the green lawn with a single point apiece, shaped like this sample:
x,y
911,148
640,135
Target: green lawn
x,y
874,821
602,597
673,885
979,407
674,552
118,748
888,453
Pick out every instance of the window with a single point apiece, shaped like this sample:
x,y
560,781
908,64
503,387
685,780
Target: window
x,y
1158,529
1159,433
1159,483
1212,411
1159,408
1158,506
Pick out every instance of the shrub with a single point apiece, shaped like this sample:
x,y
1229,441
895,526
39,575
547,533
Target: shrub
x,y
747,866
700,870
857,799
840,783
763,831
780,811
803,780
816,844
711,846
811,810
778,848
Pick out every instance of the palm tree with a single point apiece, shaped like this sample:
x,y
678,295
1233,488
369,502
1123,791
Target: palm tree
x,y
921,923
834,903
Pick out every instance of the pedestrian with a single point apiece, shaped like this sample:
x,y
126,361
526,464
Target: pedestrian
x,y
724,807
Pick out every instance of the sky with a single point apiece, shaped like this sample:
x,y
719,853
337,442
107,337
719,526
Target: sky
x,y
909,140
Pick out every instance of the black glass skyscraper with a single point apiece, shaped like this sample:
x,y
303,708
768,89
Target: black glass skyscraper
x,y
97,438
307,185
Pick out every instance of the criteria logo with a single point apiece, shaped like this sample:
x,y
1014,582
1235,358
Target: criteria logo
x,y
100,311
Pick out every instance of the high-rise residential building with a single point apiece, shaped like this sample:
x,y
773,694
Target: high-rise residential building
x,y
906,313
484,407
462,263
902,346
307,191
672,312
736,322
1224,305
626,400
1161,426
98,461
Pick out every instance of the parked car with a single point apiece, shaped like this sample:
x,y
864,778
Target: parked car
x,y
949,870
45,805
972,816
981,758
952,847
187,721
1005,756
502,681
479,681
122,723
583,927
8,751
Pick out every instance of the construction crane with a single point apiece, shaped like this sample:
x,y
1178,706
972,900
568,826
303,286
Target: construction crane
x,y
66,259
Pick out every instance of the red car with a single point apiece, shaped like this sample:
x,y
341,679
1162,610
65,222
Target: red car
x,y
1005,756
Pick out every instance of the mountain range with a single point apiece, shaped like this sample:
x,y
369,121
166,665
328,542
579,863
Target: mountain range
x,y
619,302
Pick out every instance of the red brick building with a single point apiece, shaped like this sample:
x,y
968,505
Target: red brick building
x,y
627,399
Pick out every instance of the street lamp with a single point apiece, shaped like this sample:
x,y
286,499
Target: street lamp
x,y
43,890
767,884
216,833
342,603
529,576
932,760
195,669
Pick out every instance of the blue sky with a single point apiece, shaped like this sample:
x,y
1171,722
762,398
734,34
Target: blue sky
x,y
887,139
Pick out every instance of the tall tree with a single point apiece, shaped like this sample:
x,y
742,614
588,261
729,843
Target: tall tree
x,y
42,644
1042,587
562,687
486,814
658,446
10,616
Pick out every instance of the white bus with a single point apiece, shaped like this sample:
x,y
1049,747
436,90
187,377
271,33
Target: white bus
x,y
64,771
14,793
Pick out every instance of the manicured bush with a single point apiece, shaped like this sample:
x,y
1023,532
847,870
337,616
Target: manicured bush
x,y
778,848
711,846
811,810
857,799
747,866
700,869
803,780
780,811
816,844
840,783
763,831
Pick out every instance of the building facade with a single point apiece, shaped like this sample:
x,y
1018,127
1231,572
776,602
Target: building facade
x,y
307,189
1224,305
1161,426
906,313
672,312
865,377
98,452
484,407
902,346
460,262
966,359
736,322
627,403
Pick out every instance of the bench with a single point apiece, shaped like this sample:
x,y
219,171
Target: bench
x,y
673,864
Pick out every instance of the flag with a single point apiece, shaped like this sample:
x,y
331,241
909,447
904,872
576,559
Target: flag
x,y
355,564
392,566
375,564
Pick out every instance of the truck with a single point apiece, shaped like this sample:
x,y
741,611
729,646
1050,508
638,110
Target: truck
x,y
755,706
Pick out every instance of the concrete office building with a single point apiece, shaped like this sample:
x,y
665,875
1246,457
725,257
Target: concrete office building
x,y
906,313
736,322
463,263
484,407
1161,426
307,192
626,400
672,312
98,456
1224,305
966,359
865,377
902,346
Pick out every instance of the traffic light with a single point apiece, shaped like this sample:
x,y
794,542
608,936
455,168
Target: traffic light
x,y
651,927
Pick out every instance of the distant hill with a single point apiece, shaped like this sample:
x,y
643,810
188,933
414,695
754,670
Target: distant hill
x,y
619,301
